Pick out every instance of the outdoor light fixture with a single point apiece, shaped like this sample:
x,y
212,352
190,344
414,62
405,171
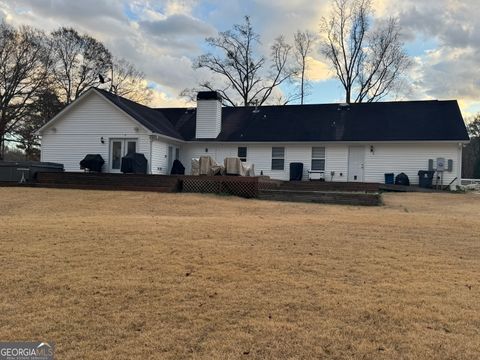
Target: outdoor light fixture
x,y
372,149
102,140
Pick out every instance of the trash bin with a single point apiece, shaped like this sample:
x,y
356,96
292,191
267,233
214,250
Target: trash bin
x,y
389,178
296,171
425,178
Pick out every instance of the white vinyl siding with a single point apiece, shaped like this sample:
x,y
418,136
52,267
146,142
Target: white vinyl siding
x,y
396,158
261,156
80,130
409,158
209,119
160,161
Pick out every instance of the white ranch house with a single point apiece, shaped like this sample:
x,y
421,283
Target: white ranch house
x,y
355,143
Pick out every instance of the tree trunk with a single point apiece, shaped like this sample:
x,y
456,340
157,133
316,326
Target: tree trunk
x,y
2,141
348,99
302,90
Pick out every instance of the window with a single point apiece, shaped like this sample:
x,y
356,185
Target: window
x,y
278,158
318,158
131,147
242,153
116,154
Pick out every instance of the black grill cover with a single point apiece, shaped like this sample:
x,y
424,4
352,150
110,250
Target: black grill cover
x,y
402,179
177,168
135,163
92,162
296,171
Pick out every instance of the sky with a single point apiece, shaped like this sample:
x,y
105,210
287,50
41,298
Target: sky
x,y
163,38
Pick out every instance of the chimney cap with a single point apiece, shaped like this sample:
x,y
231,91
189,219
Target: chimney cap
x,y
209,95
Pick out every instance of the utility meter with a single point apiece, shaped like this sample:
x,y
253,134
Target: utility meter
x,y
441,164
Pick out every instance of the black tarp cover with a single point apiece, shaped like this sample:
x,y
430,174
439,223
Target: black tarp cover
x,y
135,163
402,179
92,162
177,168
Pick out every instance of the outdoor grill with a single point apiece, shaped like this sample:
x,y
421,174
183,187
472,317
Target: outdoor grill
x,y
134,163
92,162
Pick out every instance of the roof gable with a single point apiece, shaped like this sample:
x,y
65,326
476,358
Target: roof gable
x,y
152,119
81,100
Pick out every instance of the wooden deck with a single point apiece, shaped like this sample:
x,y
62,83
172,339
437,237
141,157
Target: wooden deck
x,y
103,181
248,187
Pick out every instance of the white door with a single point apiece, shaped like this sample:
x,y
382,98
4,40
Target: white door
x,y
356,161
173,154
118,149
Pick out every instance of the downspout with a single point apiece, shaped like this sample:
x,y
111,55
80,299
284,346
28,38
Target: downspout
x,y
150,155
460,159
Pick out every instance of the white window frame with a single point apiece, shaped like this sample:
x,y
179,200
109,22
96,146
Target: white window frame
x,y
278,158
242,158
315,156
123,150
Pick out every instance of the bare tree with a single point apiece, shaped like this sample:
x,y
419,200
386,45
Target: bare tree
x,y
249,78
369,62
24,67
127,81
303,42
79,59
45,107
471,152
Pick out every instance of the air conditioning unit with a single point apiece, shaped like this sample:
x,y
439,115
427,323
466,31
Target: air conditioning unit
x,y
316,175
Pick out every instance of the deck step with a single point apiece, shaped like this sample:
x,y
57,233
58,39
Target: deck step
x,y
323,197
329,186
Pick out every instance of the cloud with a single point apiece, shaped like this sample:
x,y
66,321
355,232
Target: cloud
x,y
449,70
161,99
177,24
318,70
163,37
74,10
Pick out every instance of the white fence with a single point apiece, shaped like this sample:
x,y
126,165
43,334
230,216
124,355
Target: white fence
x,y
470,182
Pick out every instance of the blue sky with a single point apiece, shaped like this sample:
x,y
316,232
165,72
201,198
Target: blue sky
x,y
164,37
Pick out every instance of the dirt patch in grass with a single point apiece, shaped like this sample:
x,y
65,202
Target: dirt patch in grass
x,y
131,275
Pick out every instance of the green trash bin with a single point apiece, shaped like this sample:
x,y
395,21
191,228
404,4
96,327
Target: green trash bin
x,y
425,178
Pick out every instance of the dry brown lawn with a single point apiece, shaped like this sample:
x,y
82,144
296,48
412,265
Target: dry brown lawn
x,y
131,275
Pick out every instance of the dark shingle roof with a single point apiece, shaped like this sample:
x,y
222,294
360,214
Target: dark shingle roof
x,y
148,117
382,121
